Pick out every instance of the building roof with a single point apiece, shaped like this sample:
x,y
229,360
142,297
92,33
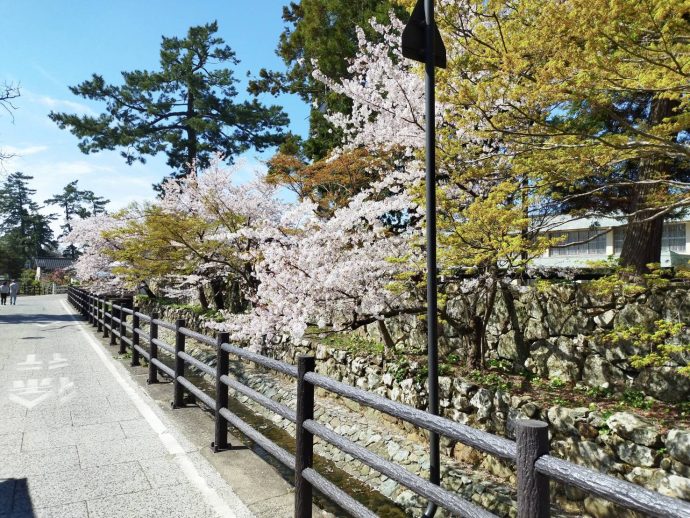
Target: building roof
x,y
53,263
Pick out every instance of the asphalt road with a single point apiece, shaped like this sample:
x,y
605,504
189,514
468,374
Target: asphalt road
x,y
79,439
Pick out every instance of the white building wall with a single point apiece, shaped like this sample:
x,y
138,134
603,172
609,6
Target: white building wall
x,y
609,243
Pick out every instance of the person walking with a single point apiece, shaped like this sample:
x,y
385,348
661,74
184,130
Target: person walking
x,y
4,291
14,289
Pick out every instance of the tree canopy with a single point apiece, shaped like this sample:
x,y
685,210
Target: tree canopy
x,y
76,203
586,100
547,112
320,34
26,233
185,110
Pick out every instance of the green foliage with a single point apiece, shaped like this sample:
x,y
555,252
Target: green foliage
x,y
542,286
28,278
661,340
557,383
491,380
597,392
501,365
636,399
400,370
625,281
403,369
11,259
445,369
352,342
656,277
26,233
575,90
323,32
422,373
184,110
453,359
74,202
615,284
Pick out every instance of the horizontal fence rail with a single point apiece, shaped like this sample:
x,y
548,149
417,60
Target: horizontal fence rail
x,y
120,321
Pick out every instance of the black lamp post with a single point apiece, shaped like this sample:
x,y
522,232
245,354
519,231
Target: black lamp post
x,y
421,41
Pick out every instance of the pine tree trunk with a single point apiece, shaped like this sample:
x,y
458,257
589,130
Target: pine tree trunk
x,y
642,243
191,135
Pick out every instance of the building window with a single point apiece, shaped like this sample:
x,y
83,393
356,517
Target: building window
x,y
588,244
618,238
673,237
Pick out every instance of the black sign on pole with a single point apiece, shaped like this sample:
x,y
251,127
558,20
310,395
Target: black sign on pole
x,y
414,36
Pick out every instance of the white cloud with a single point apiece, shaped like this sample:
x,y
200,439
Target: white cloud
x,y
50,77
60,104
68,169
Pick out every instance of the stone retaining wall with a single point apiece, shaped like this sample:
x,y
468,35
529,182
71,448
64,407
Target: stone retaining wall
x,y
562,325
620,444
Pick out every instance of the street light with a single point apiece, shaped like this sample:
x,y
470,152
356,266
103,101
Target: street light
x,y
422,42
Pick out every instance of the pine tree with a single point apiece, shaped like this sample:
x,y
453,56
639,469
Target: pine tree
x,y
184,110
26,232
15,201
74,203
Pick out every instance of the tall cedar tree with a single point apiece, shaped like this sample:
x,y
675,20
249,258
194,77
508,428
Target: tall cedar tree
x,y
322,31
25,232
185,109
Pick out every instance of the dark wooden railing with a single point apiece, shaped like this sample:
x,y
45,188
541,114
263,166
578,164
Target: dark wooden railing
x,y
529,452
42,289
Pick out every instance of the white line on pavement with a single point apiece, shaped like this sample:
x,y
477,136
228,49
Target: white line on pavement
x,y
168,440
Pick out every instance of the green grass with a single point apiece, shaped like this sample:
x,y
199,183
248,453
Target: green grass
x,y
348,341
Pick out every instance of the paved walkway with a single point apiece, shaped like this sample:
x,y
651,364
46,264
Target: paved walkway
x,y
79,439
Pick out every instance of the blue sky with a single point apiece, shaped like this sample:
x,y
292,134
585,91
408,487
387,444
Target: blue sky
x,y
48,45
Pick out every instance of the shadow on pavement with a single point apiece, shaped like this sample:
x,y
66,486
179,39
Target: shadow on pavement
x,y
35,318
15,501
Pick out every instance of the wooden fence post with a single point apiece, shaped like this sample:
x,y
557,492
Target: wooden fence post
x,y
153,349
104,307
178,392
222,366
135,337
112,325
305,440
122,329
532,439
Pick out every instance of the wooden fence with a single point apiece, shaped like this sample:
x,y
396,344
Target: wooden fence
x,y
529,452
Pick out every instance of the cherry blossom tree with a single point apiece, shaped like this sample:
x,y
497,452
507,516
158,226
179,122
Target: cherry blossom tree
x,y
94,267
334,274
